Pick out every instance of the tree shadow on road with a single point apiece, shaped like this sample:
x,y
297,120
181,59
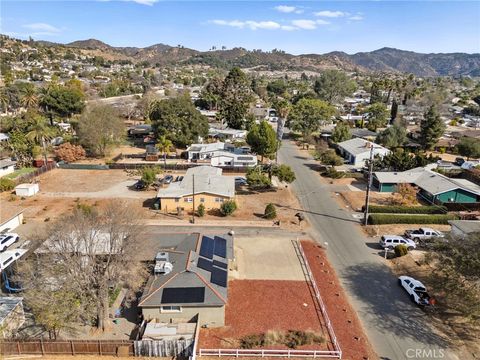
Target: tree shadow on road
x,y
389,307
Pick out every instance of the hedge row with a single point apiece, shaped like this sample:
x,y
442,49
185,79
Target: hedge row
x,y
398,209
380,219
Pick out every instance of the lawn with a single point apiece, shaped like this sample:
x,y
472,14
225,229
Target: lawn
x,y
20,172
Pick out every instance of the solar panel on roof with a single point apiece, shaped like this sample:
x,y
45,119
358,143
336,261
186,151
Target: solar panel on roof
x,y
219,277
204,264
220,264
220,248
207,246
183,295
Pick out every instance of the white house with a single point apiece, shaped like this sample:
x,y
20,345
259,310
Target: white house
x,y
356,151
227,133
221,154
7,166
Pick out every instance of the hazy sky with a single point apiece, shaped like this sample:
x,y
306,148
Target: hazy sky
x,y
294,26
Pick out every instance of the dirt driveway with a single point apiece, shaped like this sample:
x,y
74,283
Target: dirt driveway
x,y
266,258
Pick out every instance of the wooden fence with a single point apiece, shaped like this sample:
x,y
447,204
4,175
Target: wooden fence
x,y
28,177
67,347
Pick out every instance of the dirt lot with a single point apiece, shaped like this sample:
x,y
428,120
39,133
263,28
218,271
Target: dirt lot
x,y
356,199
347,327
266,258
76,181
464,340
256,306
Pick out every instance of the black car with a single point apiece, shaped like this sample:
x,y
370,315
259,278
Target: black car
x,y
139,185
459,161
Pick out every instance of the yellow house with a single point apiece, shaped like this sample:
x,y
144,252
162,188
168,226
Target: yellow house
x,y
201,185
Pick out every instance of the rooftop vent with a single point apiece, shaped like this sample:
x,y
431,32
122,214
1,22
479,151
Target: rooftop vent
x,y
162,264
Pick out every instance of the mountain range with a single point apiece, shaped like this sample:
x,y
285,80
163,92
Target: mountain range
x,y
382,60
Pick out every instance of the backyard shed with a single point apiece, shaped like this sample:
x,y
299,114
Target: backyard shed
x,y
26,189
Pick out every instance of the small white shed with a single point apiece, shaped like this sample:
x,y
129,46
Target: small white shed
x,y
26,189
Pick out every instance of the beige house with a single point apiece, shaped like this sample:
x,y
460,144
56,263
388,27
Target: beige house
x,y
201,185
11,315
189,279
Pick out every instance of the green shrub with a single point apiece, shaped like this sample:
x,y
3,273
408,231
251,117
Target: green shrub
x,y
228,207
6,184
398,209
401,250
380,219
257,180
333,174
270,211
201,210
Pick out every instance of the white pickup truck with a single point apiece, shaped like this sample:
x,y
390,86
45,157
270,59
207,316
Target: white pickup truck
x,y
423,234
416,290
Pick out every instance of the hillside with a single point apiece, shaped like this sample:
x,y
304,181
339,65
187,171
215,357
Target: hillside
x,y
381,60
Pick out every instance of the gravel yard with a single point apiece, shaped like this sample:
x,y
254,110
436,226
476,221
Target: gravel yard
x,y
256,306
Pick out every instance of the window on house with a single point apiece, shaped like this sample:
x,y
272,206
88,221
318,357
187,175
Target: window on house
x,y
188,199
171,309
220,200
177,200
202,200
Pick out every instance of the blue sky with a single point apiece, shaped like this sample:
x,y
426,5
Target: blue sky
x,y
294,26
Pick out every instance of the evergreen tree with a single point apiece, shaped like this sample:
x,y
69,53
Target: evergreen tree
x,y
432,128
263,139
235,98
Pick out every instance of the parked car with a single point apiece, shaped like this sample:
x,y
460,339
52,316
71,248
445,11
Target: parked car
x,y
459,161
139,185
390,241
416,290
240,181
8,239
167,179
423,234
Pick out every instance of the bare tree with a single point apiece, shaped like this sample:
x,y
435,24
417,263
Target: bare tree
x,y
87,253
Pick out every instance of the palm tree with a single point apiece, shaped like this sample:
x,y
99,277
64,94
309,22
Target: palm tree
x,y
39,132
29,97
164,145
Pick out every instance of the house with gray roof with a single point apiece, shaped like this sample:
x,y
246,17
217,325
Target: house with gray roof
x,y
190,279
357,150
7,166
221,154
433,187
204,184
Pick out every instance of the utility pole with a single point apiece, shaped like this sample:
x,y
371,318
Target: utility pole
x,y
193,198
369,184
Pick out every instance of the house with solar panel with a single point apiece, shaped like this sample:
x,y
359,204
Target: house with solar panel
x,y
221,154
190,279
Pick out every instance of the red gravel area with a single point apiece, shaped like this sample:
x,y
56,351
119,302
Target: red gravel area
x,y
255,306
346,325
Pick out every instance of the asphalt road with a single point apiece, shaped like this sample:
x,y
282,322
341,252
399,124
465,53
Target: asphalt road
x,y
395,327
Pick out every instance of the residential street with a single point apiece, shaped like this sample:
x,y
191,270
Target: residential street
x,y
394,325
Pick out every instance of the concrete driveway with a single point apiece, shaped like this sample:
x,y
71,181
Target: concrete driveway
x,y
396,328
